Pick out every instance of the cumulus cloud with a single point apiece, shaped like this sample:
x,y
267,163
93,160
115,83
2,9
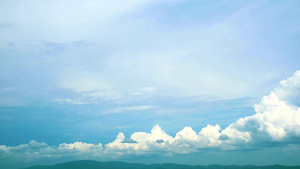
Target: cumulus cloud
x,y
80,146
277,116
277,120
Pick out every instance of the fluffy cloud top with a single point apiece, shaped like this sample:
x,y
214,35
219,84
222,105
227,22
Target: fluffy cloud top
x,y
277,116
277,120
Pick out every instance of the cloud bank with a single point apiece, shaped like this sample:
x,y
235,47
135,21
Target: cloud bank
x,y
276,121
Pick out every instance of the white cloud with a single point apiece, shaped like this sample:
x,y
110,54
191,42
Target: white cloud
x,y
69,101
277,120
129,108
80,146
211,135
277,116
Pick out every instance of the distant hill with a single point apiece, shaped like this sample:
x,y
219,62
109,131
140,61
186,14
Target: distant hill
x,y
88,164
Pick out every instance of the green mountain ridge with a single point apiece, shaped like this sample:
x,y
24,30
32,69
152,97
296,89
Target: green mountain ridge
x,y
89,164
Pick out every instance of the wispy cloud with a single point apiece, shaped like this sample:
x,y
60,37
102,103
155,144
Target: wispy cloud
x,y
68,101
179,61
129,108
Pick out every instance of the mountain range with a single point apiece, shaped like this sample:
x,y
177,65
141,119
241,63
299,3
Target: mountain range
x,y
89,164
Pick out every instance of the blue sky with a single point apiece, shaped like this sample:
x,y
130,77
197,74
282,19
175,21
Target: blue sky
x,y
74,74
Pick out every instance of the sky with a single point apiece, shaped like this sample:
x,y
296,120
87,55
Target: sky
x,y
152,81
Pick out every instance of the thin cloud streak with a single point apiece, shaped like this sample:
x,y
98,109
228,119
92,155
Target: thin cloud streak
x,y
128,109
